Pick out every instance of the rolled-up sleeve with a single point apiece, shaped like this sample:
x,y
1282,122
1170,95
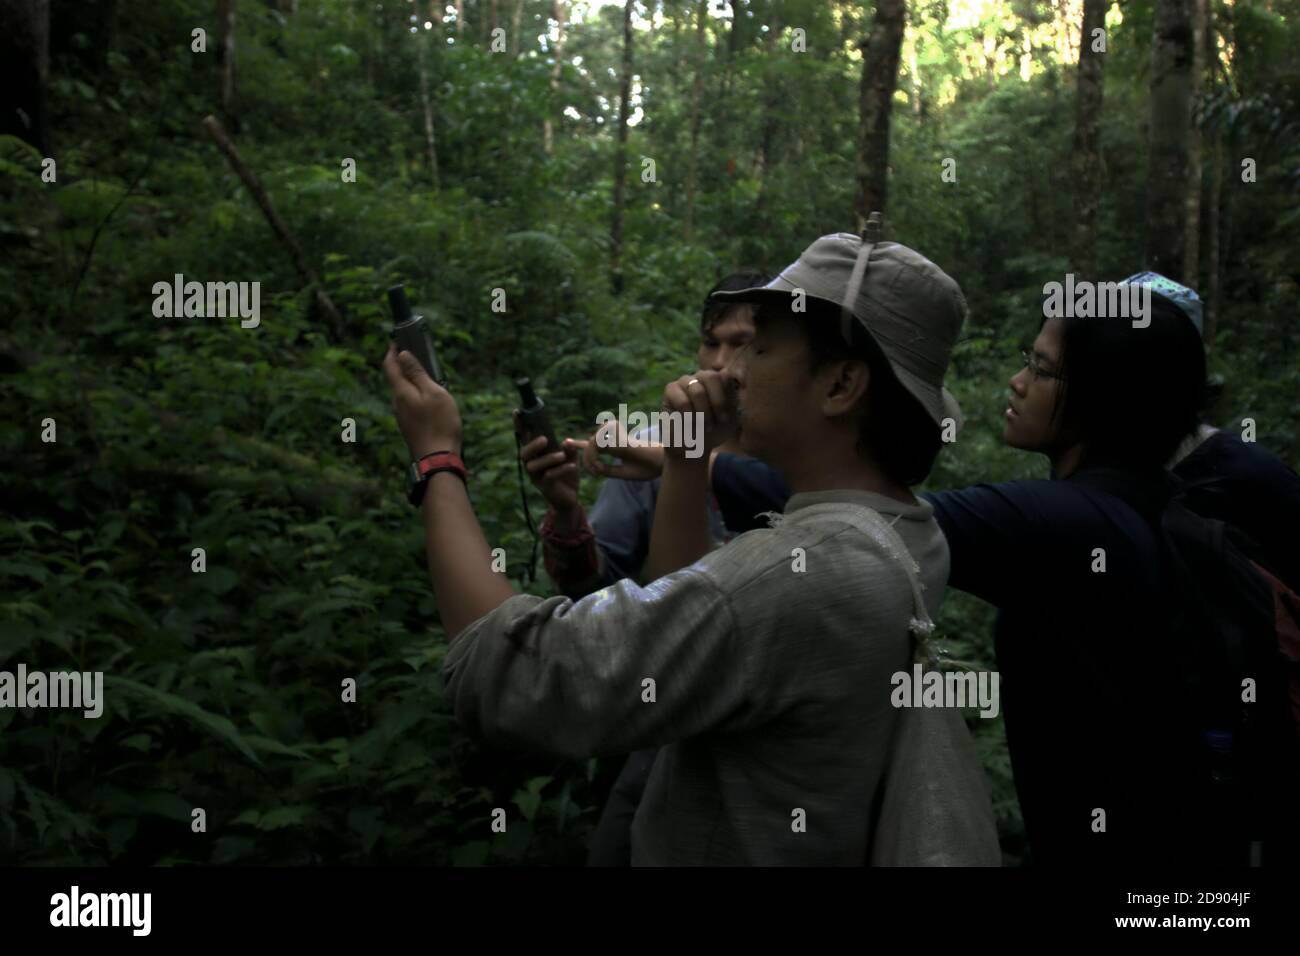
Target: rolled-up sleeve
x,y
572,678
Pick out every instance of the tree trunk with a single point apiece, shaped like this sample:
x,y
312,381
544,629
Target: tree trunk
x,y
771,103
754,245
1086,159
620,155
97,23
460,17
426,102
361,11
697,92
880,54
1192,247
727,53
1210,320
914,76
738,14
25,73
1171,118
226,63
558,11
516,19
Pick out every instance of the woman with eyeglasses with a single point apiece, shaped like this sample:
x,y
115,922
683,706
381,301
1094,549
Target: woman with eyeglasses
x,y
1086,607
1084,635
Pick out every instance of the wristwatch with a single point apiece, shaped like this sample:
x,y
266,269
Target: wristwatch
x,y
419,472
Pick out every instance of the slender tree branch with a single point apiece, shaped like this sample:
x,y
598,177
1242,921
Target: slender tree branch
x,y
94,238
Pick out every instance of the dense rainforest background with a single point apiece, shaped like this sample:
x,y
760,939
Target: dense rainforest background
x,y
601,165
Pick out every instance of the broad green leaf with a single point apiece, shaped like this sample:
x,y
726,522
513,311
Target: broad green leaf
x,y
267,745
140,742
25,569
170,703
282,817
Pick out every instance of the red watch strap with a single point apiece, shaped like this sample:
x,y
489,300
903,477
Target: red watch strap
x,y
442,461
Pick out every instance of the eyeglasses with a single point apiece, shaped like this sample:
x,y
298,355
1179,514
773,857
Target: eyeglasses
x,y
1035,369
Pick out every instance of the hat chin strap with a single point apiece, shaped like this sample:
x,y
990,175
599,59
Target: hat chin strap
x,y
870,236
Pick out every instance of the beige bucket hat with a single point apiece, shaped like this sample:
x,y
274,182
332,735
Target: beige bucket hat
x,y
907,304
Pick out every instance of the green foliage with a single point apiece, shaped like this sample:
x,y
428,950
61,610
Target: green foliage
x,y
224,688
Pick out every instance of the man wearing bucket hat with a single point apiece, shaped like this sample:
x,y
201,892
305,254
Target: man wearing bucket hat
x,y
907,305
876,309
1022,545
767,681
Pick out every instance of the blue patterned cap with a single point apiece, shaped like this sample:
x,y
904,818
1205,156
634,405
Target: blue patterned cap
x,y
1180,295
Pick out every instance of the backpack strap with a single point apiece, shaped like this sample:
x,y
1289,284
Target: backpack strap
x,y
871,523
931,805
